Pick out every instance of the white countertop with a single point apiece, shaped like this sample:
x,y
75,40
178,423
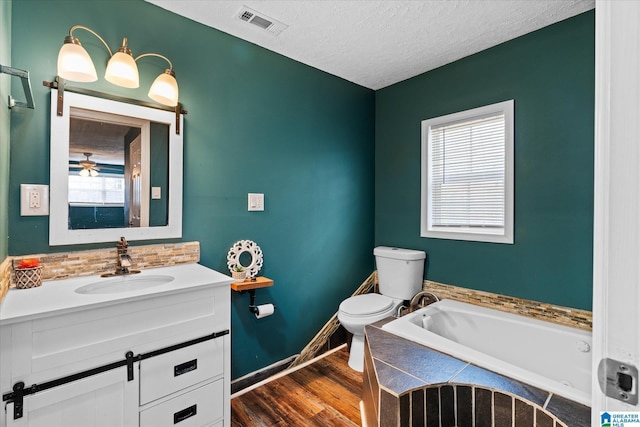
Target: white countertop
x,y
59,296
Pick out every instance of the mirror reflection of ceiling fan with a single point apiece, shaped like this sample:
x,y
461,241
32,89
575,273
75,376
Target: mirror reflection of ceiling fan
x,y
88,166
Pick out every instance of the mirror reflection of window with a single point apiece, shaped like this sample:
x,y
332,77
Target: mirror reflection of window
x,y
102,190
96,201
113,163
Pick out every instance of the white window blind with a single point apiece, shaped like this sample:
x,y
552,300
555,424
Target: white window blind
x,y
101,190
468,175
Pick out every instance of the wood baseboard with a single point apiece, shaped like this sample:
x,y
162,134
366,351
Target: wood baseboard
x,y
285,372
259,376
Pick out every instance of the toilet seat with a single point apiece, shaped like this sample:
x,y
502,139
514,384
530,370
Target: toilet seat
x,y
355,313
366,305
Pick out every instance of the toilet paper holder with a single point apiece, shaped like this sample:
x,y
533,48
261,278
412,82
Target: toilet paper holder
x,y
253,308
250,286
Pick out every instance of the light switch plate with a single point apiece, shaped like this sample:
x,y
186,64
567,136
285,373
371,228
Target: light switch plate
x,y
156,193
256,202
34,200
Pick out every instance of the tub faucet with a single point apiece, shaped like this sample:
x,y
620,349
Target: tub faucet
x,y
423,299
419,300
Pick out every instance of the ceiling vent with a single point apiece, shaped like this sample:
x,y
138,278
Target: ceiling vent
x,y
261,20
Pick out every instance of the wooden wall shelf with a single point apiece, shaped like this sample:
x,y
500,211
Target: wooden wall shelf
x,y
260,282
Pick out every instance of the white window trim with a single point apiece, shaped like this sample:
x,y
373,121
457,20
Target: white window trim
x,y
460,233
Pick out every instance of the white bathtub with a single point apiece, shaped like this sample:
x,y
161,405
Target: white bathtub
x,y
552,357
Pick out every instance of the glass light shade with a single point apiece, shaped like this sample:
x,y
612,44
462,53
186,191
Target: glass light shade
x,y
165,89
93,172
74,64
84,172
122,70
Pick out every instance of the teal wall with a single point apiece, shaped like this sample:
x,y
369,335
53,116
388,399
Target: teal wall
x,y
159,176
257,122
5,118
550,75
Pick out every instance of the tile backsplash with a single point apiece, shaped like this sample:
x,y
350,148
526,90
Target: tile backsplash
x,y
97,261
5,276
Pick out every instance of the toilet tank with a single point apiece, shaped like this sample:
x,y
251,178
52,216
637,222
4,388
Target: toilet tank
x,y
400,271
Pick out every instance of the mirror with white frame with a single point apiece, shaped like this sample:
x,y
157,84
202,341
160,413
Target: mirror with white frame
x,y
116,170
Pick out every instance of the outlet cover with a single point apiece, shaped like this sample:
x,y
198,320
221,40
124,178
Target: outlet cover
x,y
34,200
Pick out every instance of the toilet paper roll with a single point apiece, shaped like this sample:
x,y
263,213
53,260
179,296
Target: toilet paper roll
x,y
265,310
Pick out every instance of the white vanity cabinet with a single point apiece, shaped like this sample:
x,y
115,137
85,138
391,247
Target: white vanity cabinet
x,y
106,399
176,372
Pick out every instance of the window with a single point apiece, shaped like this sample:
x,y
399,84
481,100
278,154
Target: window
x,y
101,190
467,175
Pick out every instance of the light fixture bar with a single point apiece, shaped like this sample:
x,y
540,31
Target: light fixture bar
x,y
60,85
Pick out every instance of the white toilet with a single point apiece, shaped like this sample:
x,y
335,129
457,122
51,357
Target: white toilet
x,y
400,275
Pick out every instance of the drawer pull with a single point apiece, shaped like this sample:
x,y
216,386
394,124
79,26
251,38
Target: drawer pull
x,y
184,414
185,367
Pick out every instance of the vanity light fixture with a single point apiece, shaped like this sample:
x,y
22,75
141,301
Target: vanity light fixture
x,y
75,64
122,69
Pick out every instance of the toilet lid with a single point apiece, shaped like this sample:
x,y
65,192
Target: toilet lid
x,y
366,304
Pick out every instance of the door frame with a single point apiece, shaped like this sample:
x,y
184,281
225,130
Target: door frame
x,y
616,248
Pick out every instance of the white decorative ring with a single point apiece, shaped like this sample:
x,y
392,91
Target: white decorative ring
x,y
240,247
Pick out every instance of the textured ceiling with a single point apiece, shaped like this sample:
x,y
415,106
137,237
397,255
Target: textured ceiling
x,y
379,43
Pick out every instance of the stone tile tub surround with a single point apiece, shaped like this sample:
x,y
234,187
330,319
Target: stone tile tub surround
x,y
64,265
407,384
572,317
567,316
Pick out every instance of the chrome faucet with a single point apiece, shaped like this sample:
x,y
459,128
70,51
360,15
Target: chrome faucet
x,y
423,299
123,258
419,300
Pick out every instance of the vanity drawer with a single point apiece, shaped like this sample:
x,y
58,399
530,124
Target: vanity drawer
x,y
199,407
173,371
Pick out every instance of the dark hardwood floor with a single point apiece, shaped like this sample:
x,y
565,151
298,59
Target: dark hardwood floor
x,y
324,393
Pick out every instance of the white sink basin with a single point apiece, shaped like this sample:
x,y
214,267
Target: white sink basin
x,y
123,284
